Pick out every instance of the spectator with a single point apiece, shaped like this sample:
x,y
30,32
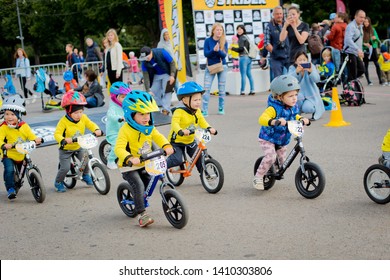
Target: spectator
x,y
91,90
384,63
135,69
23,70
71,59
324,27
296,31
370,44
113,57
279,51
353,44
315,43
245,60
93,51
335,38
215,50
159,70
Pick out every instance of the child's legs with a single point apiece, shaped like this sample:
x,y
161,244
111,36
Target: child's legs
x,y
281,153
269,157
387,75
135,181
235,63
386,156
112,141
191,148
9,172
133,76
81,154
64,158
308,106
177,157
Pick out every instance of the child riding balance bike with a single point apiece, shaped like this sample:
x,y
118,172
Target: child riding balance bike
x,y
186,139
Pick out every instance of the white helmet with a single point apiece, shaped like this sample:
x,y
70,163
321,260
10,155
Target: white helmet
x,y
284,83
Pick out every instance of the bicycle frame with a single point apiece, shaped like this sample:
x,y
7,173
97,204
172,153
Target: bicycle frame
x,y
89,160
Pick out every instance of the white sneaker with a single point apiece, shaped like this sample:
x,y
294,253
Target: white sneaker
x,y
112,165
258,183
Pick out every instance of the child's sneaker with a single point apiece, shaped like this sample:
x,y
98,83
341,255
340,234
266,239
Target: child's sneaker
x,y
205,113
59,186
11,193
221,111
144,219
112,165
258,183
87,179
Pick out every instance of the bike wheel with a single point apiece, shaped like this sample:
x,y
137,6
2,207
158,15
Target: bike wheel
x,y
69,182
175,179
213,181
125,197
377,183
104,150
268,180
101,180
311,183
37,187
175,210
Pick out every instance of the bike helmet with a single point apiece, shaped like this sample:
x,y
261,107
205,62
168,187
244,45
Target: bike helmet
x,y
284,83
118,88
13,103
73,99
188,89
141,102
68,76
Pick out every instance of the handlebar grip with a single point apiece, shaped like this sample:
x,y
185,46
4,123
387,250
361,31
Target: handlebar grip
x,y
180,132
121,120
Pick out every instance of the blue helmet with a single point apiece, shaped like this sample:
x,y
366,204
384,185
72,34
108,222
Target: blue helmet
x,y
188,89
68,76
141,102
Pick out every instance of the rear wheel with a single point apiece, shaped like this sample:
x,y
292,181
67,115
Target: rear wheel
x,y
175,179
377,183
101,179
175,210
268,180
104,150
311,183
37,187
69,180
212,177
125,196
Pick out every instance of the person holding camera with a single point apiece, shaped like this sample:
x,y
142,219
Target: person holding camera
x,y
279,51
296,31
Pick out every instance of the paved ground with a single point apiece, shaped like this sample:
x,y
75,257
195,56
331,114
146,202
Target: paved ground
x,y
237,223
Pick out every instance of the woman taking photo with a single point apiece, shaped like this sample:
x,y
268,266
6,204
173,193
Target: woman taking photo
x,y
245,60
215,50
23,70
113,57
296,31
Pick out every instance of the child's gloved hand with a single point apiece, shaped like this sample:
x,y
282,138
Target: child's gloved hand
x,y
169,150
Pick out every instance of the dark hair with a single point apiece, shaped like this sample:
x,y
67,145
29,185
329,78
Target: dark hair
x,y
298,54
242,27
91,75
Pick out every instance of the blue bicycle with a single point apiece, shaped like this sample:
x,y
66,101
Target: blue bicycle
x,y
173,204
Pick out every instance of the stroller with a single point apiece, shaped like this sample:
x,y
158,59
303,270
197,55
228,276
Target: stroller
x,y
353,91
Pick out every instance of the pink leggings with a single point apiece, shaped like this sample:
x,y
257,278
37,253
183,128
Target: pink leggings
x,y
270,156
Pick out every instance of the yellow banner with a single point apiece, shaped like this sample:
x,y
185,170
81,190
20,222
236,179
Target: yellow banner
x,y
173,21
234,4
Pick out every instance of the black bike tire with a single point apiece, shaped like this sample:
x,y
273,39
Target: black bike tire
x,y
221,177
102,150
178,182
268,180
176,210
38,189
103,170
367,176
319,184
125,191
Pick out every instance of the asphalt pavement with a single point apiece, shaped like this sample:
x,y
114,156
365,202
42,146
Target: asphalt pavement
x,y
239,222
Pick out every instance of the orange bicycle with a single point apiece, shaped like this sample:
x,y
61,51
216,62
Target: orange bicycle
x,y
212,176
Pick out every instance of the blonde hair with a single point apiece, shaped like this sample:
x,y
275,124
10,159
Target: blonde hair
x,y
116,39
222,40
20,49
326,51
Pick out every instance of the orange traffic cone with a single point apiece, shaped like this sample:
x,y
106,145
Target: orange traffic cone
x,y
336,117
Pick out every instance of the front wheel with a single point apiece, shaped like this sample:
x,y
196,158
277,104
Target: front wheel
x,y
101,179
311,183
175,210
212,176
377,183
37,187
125,196
175,179
104,150
268,179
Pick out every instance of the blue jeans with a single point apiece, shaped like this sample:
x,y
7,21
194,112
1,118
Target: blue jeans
x,y
245,71
9,173
162,98
278,67
208,81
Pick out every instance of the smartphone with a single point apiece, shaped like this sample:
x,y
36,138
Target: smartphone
x,y
306,65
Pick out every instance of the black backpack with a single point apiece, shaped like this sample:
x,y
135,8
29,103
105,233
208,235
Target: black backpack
x,y
315,44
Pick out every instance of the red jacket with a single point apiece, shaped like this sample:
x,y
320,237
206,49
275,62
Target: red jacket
x,y
336,35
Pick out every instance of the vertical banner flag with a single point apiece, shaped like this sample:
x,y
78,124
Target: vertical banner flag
x,y
253,14
340,7
171,17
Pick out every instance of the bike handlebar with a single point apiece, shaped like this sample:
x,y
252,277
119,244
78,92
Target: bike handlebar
x,y
192,131
150,155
